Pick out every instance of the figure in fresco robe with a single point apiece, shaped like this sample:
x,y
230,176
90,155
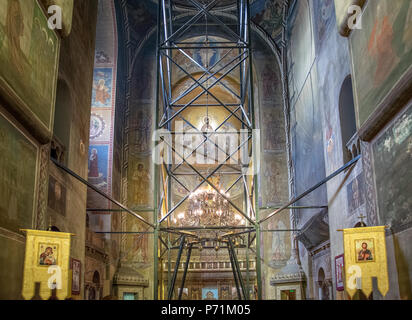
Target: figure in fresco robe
x,y
380,47
270,17
274,132
272,175
269,82
143,128
278,243
94,164
41,51
15,29
102,92
141,179
140,243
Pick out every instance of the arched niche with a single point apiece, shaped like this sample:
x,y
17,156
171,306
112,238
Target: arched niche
x,y
347,118
62,115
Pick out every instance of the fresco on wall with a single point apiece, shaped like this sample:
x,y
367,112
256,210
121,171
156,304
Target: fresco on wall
x,y
308,145
137,246
17,183
57,196
102,88
142,16
142,131
29,53
356,194
268,15
273,129
393,167
105,35
139,182
324,11
98,159
381,52
275,180
280,243
100,125
301,51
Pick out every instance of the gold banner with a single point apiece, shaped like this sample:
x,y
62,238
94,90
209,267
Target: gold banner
x,y
365,258
47,262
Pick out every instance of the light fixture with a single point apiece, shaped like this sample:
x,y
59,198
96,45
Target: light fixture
x,y
206,207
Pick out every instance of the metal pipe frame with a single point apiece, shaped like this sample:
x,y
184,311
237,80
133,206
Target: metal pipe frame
x,y
179,255
235,276
189,253
237,268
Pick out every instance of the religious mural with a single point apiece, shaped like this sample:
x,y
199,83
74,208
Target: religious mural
x,y
140,179
99,129
393,165
18,183
142,128
356,194
98,164
103,104
301,51
138,253
274,180
29,53
276,242
381,53
268,14
308,142
324,19
102,88
57,196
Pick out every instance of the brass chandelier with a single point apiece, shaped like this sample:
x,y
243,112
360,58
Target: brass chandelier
x,y
206,208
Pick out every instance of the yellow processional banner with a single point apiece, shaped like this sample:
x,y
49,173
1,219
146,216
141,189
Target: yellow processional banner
x,y
47,263
365,258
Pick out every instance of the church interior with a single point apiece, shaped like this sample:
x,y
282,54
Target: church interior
x,y
205,149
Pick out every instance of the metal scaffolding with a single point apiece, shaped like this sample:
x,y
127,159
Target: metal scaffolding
x,y
178,39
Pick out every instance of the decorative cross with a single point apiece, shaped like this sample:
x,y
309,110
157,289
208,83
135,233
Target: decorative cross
x,y
361,217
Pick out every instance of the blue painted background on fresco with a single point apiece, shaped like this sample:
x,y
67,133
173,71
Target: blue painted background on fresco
x,y
102,154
